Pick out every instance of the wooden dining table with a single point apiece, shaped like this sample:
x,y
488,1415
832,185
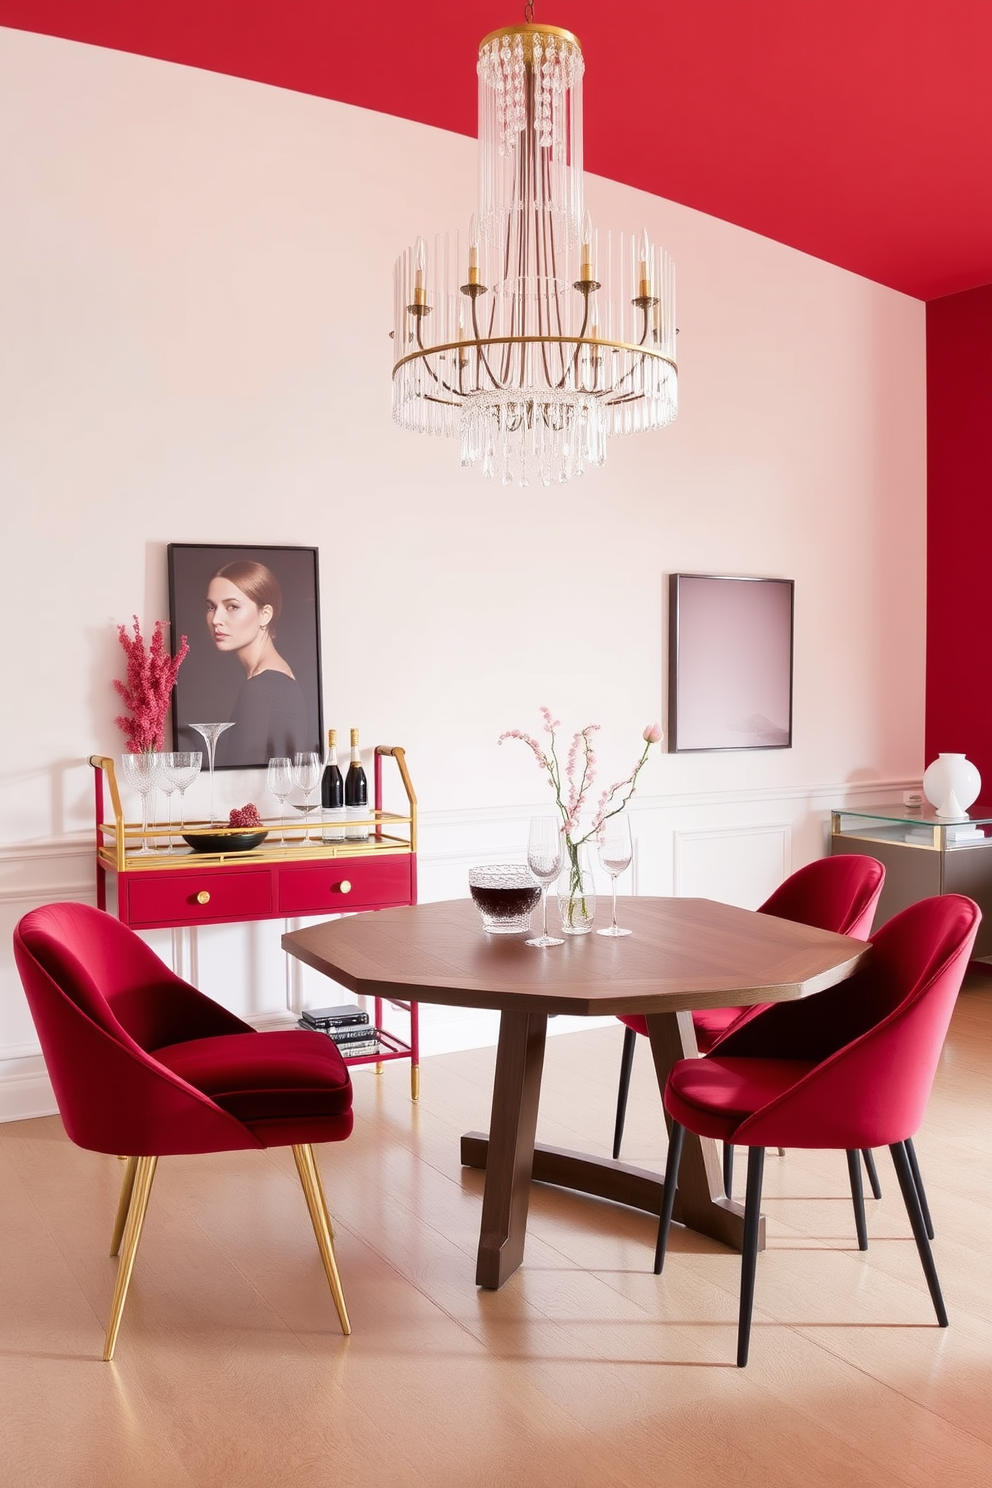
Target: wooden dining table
x,y
682,954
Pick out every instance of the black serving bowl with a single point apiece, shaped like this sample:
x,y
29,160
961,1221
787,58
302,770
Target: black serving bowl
x,y
210,842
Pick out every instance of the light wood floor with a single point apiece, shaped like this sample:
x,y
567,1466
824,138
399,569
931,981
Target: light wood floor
x,y
584,1370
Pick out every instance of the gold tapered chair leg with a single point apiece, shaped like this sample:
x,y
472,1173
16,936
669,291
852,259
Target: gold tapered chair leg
x,y
124,1204
306,1166
141,1187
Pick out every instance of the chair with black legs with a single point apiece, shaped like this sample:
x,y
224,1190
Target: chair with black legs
x,y
838,893
849,1068
143,1064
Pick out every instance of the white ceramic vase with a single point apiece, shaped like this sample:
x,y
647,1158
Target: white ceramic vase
x,y
951,784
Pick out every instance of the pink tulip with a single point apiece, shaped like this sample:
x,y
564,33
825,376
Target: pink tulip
x,y
653,734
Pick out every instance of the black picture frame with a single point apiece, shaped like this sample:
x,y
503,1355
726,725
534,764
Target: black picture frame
x,y
730,662
210,683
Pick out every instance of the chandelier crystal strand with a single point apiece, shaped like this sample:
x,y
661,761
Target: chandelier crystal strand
x,y
537,337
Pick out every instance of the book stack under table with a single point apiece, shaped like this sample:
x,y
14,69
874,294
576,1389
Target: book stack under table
x,y
348,1025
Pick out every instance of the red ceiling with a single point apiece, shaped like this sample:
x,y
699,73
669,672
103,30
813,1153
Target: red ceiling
x,y
859,131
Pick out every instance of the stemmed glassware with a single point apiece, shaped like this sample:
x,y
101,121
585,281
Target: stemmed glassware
x,y
140,773
211,733
182,767
615,853
280,783
306,775
544,853
167,785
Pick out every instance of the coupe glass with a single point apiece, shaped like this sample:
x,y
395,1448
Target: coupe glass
x,y
615,853
182,767
280,783
140,773
306,776
211,733
544,853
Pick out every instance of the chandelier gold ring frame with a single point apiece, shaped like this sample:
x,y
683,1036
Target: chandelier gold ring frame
x,y
546,336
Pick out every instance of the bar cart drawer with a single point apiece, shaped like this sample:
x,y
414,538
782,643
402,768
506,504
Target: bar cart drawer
x,y
207,897
345,885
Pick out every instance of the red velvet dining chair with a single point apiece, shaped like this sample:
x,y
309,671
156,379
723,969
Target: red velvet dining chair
x,y
839,894
849,1068
143,1064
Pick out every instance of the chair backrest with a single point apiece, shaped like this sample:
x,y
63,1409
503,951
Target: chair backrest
x,y
839,893
102,1001
876,1037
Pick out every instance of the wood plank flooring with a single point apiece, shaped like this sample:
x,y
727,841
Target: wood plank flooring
x,y
586,1369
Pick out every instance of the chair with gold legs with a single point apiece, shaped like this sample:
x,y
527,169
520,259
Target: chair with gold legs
x,y
143,1063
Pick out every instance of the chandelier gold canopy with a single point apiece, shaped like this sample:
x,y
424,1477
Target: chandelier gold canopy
x,y
535,337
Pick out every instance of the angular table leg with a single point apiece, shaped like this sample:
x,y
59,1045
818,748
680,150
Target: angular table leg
x,y
510,1159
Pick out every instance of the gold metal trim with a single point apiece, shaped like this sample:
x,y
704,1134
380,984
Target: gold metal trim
x,y
138,1206
313,1192
483,341
527,31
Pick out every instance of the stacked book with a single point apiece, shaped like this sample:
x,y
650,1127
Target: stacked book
x,y
348,1025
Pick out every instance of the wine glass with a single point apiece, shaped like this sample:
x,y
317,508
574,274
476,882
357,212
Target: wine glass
x,y
168,786
280,783
182,767
211,733
306,776
544,861
615,853
140,773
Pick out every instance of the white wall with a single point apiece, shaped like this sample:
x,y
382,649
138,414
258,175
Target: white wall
x,y
196,305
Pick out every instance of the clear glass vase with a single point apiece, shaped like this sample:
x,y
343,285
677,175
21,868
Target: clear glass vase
x,y
576,892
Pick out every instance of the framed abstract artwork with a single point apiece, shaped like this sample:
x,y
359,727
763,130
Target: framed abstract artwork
x,y
730,649
252,619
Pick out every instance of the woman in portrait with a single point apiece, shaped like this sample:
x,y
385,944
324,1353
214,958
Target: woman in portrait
x,y
270,715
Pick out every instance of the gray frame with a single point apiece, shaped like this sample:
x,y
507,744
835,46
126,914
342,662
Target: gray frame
x,y
207,684
730,662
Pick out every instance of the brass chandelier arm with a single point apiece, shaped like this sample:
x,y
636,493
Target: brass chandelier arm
x,y
482,341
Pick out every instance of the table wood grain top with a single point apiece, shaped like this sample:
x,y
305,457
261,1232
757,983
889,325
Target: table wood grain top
x,y
683,953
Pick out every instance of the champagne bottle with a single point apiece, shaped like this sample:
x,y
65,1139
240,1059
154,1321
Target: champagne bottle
x,y
356,794
332,792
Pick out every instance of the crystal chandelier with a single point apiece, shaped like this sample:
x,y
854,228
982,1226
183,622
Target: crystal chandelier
x,y
536,337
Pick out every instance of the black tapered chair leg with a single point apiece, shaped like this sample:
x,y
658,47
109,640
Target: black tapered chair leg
x,y
872,1171
921,1191
675,1139
749,1257
911,1198
857,1196
626,1065
728,1168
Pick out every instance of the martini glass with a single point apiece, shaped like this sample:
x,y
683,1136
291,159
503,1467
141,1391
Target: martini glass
x,y
211,732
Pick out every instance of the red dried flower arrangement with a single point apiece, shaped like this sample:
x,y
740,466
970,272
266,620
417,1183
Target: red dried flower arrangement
x,y
151,676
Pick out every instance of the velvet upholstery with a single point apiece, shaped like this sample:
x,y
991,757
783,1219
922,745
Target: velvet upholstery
x,y
849,1068
144,1065
839,894
104,1005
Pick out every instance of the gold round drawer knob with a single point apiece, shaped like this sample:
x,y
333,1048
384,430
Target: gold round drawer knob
x,y
203,897
344,887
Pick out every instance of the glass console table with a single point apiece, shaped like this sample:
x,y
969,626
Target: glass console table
x,y
922,855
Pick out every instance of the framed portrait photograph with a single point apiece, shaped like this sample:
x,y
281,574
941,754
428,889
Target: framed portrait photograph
x,y
730,646
251,616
